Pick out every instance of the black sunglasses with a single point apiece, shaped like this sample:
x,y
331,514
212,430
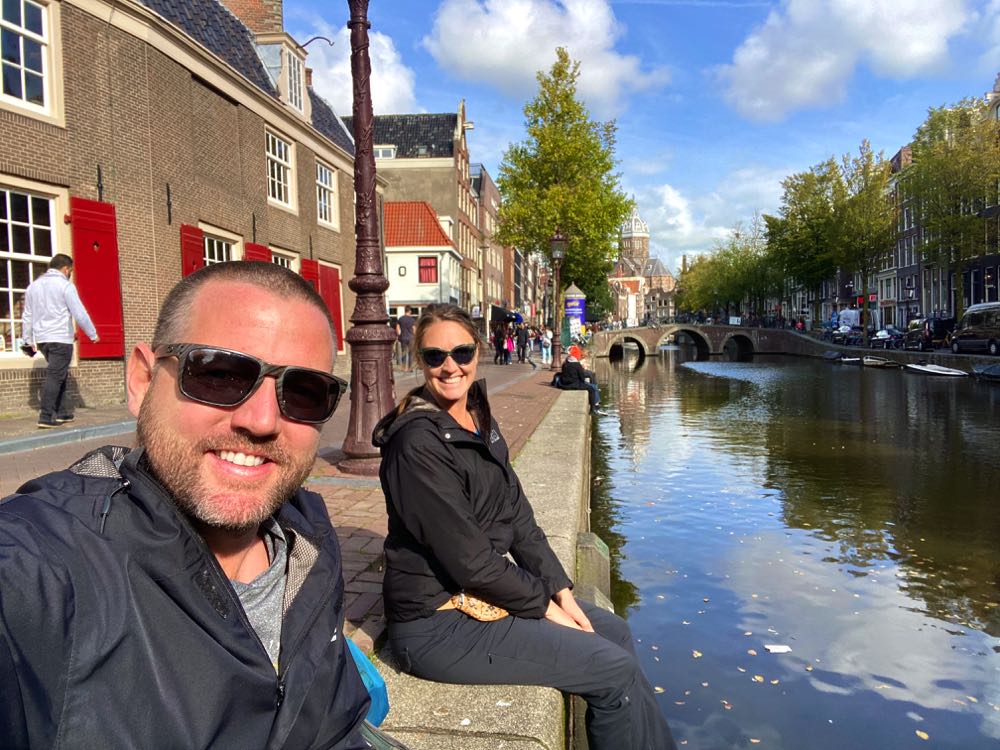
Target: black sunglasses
x,y
222,377
461,355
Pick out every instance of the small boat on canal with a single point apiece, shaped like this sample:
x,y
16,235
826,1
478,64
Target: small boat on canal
x,y
989,373
849,360
832,356
922,368
870,361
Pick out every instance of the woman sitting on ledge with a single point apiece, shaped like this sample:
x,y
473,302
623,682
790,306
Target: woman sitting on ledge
x,y
459,610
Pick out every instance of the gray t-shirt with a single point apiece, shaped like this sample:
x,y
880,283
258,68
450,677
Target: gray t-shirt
x,y
263,597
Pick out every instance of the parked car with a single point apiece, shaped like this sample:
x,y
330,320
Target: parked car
x,y
925,334
979,330
889,337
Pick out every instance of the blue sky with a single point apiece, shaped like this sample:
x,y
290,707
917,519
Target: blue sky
x,y
716,100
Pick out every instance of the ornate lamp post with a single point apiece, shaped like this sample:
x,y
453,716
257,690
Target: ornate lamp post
x,y
370,338
558,246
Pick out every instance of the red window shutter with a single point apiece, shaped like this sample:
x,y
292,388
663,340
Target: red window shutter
x,y
310,272
97,275
192,249
253,251
329,290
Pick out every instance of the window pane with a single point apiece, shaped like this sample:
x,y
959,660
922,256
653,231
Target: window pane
x,y
43,242
40,212
32,55
12,11
33,18
4,237
10,46
4,274
19,207
21,279
34,89
12,81
21,240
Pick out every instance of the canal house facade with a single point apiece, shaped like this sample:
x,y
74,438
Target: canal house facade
x,y
147,139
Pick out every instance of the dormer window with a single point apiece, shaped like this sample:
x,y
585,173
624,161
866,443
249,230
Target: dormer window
x,y
284,61
385,152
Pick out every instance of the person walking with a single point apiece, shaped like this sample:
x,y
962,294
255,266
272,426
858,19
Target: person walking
x,y
508,345
546,341
404,332
499,344
51,305
522,343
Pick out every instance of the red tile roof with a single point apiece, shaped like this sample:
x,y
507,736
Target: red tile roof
x,y
413,224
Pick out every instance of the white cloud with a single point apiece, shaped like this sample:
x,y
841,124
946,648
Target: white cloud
x,y
691,224
504,43
804,54
991,22
392,82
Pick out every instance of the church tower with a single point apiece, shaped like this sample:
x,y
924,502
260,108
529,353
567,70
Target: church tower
x,y
634,244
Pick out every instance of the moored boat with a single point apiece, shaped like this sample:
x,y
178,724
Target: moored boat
x,y
922,368
989,373
870,361
831,356
849,360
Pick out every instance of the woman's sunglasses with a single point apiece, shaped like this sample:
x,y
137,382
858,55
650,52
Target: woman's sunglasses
x,y
222,377
460,355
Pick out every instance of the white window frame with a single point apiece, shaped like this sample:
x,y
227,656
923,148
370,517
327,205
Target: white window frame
x,y
50,63
58,200
296,78
384,152
214,236
280,157
327,183
285,258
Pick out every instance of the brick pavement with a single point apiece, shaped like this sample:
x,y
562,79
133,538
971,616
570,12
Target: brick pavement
x,y
520,398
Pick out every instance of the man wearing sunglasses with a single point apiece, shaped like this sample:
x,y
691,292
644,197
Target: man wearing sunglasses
x,y
188,592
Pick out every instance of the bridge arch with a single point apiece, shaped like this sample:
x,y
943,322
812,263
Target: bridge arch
x,y
616,344
701,342
738,346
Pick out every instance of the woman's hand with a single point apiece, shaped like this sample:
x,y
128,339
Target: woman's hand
x,y
567,603
558,615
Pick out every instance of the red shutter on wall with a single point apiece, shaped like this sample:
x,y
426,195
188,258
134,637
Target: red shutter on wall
x,y
309,269
329,290
192,249
97,276
252,251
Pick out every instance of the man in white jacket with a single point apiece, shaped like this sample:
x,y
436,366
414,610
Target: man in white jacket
x,y
51,304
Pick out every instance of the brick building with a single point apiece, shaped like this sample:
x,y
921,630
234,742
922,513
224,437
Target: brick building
x,y
425,157
147,138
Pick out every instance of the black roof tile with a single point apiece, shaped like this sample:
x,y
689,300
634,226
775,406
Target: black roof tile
x,y
416,136
326,122
213,26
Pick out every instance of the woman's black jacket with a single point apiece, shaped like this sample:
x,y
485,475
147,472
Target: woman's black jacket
x,y
456,508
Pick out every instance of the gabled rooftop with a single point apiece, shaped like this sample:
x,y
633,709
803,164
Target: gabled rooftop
x,y
423,136
413,224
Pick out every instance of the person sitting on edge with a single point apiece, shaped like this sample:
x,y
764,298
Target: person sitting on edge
x,y
456,508
573,377
188,593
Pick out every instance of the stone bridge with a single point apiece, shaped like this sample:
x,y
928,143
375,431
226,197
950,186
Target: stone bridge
x,y
709,339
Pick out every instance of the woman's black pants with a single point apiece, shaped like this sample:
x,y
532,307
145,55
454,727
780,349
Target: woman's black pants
x,y
601,667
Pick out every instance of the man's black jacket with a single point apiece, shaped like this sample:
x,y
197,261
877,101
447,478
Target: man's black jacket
x,y
572,376
118,628
456,508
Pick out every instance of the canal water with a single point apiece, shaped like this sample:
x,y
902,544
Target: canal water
x,y
845,516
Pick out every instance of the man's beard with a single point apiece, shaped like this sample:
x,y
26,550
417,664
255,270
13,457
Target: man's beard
x,y
177,464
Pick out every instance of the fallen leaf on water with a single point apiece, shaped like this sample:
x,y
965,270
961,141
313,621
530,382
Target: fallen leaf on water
x,y
775,682
956,700
754,741
752,651
971,699
704,684
777,648
923,735
749,632
685,622
758,678
809,667
705,599
697,654
658,689
741,669
678,703
655,648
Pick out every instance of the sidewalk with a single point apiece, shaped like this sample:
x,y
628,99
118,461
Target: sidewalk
x,y
520,398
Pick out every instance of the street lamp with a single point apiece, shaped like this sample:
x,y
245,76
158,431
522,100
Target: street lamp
x,y
558,247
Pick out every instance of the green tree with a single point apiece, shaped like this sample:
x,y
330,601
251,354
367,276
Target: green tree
x,y
802,240
866,217
563,176
954,175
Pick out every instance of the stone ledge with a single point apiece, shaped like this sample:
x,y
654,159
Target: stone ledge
x,y
554,470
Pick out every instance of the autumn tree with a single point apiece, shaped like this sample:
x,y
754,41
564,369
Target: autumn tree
x,y
866,217
563,176
953,177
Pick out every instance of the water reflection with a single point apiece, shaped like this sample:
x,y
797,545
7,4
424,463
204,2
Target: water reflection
x,y
847,512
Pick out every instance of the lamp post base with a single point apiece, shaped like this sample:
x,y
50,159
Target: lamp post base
x,y
556,356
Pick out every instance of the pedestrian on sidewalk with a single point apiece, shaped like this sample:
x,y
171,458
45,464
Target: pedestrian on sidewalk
x,y
508,345
458,610
188,592
546,341
522,343
51,304
404,333
499,344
